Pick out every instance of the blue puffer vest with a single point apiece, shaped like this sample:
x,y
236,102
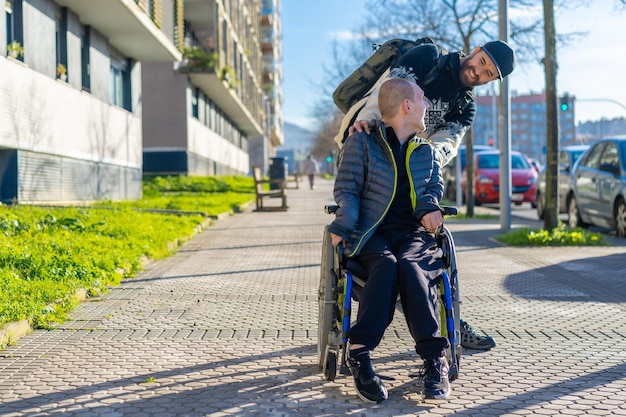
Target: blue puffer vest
x,y
367,179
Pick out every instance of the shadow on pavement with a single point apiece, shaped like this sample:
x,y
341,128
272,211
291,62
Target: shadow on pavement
x,y
592,279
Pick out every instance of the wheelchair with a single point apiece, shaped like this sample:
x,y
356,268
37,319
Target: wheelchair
x,y
339,285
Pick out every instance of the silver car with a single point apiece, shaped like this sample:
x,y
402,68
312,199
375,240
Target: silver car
x,y
568,155
597,193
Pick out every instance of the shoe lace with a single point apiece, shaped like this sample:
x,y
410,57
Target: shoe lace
x,y
465,326
429,366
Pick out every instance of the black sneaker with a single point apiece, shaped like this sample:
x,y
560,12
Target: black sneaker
x,y
435,375
472,340
368,386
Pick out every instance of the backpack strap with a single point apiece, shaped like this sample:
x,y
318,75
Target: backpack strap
x,y
442,61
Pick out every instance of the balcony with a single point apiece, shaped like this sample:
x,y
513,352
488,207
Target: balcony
x,y
127,28
220,86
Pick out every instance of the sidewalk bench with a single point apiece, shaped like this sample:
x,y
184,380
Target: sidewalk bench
x,y
261,193
295,178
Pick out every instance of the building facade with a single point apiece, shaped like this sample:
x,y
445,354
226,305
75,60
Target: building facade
x,y
271,46
95,93
209,115
71,96
528,123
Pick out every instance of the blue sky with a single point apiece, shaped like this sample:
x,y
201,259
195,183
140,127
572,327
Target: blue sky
x,y
592,69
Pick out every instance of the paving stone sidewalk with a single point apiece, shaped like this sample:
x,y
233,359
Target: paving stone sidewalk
x,y
228,327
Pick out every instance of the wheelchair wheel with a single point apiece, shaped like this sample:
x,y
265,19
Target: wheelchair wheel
x,y
450,314
330,365
326,300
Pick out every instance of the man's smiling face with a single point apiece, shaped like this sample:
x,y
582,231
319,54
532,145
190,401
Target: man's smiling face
x,y
477,69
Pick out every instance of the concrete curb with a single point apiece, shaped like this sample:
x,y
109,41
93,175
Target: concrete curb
x,y
11,332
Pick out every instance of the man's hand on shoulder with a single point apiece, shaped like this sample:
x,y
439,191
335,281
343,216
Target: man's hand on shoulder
x,y
359,126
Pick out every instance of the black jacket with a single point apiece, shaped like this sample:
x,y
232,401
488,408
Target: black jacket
x,y
453,106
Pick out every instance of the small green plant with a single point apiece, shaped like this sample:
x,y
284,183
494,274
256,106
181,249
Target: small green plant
x,y
197,57
559,236
228,75
15,49
61,72
149,380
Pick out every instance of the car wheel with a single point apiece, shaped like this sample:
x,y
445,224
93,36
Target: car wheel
x,y
620,218
541,211
574,219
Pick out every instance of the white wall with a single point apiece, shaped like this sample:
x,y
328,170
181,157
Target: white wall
x,y
208,144
43,115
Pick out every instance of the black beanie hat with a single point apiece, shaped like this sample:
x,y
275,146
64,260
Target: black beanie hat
x,y
502,56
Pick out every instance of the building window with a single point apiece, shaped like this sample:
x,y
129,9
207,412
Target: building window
x,y
61,40
225,39
85,45
14,25
8,8
119,88
194,102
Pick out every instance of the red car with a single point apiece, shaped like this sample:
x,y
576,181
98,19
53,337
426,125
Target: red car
x,y
487,179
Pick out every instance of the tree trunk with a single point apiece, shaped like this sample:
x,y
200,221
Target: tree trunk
x,y
551,218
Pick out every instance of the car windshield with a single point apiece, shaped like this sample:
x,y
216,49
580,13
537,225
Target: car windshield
x,y
576,155
519,162
492,161
489,161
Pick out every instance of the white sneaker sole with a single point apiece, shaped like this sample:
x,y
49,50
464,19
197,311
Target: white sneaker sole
x,y
367,400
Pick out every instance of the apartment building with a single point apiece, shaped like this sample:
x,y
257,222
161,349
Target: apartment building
x,y
209,115
95,93
528,122
271,46
71,97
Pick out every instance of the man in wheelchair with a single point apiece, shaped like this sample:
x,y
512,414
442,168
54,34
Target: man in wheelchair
x,y
388,189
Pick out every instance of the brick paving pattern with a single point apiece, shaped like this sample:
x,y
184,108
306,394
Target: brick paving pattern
x,y
228,327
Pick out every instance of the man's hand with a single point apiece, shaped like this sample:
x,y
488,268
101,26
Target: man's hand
x,y
432,221
359,126
336,240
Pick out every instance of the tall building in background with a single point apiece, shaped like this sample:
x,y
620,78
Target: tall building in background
x,y
71,95
262,148
528,123
209,115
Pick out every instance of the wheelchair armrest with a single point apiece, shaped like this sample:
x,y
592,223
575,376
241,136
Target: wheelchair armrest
x,y
449,210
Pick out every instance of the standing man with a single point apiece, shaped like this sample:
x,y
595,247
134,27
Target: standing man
x,y
388,188
450,89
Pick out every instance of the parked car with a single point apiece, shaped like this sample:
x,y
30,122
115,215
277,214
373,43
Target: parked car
x,y
449,171
597,192
487,178
568,155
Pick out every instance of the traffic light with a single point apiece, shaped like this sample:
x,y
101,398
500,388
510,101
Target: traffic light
x,y
329,158
564,103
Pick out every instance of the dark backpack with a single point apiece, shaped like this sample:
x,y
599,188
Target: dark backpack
x,y
357,84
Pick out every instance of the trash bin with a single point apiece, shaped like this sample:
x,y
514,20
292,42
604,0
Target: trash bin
x,y
278,170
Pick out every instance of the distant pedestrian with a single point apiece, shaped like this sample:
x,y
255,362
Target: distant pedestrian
x,y
311,168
